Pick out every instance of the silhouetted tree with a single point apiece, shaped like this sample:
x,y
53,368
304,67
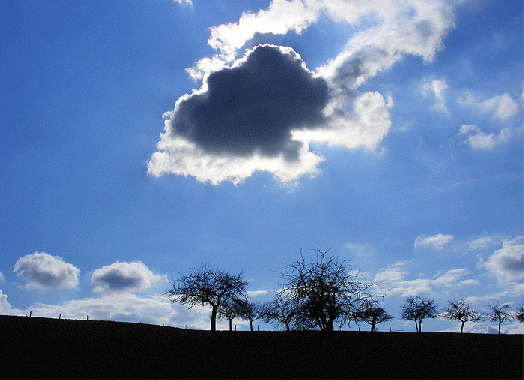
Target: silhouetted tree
x,y
371,313
519,314
228,310
208,286
250,311
417,309
323,291
497,313
461,311
282,309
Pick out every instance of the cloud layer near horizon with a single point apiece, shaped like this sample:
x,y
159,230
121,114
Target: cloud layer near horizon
x,y
261,112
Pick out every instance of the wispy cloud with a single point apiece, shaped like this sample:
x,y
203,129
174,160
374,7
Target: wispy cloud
x,y
436,242
499,107
392,280
437,90
477,139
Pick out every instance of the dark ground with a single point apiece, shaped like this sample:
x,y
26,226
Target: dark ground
x,y
52,348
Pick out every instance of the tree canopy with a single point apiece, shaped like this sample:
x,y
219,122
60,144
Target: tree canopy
x,y
323,291
417,309
208,286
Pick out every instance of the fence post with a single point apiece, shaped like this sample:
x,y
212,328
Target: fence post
x,y
60,316
88,317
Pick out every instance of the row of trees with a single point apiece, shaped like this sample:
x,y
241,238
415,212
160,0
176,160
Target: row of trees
x,y
314,295
418,308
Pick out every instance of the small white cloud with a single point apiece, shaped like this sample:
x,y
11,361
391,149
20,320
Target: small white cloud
x,y
483,242
436,89
500,107
257,293
437,241
393,273
451,277
184,2
477,139
124,277
2,277
41,271
507,264
359,250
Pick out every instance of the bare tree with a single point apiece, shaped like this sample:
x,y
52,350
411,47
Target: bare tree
x,y
250,311
519,314
283,310
229,310
371,313
417,309
498,313
460,310
324,291
207,286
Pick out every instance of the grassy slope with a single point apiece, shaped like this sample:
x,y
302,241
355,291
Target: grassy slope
x,y
44,348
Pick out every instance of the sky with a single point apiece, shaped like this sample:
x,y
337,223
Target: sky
x,y
141,139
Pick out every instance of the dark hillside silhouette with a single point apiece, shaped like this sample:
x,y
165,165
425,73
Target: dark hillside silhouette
x,y
53,348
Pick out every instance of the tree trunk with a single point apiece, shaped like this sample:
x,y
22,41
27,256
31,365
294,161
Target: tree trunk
x,y
373,324
499,327
462,327
420,325
287,325
230,324
329,325
214,312
416,326
251,324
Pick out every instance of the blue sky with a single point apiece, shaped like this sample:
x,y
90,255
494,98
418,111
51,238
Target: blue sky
x,y
141,139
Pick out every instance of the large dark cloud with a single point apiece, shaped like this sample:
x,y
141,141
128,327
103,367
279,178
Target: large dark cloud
x,y
254,105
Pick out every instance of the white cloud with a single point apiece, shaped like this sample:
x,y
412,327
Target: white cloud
x,y
477,139
500,107
483,242
5,306
129,307
124,277
393,281
281,17
452,277
393,273
2,277
184,2
436,89
364,128
257,293
437,241
358,249
507,264
41,271
182,157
